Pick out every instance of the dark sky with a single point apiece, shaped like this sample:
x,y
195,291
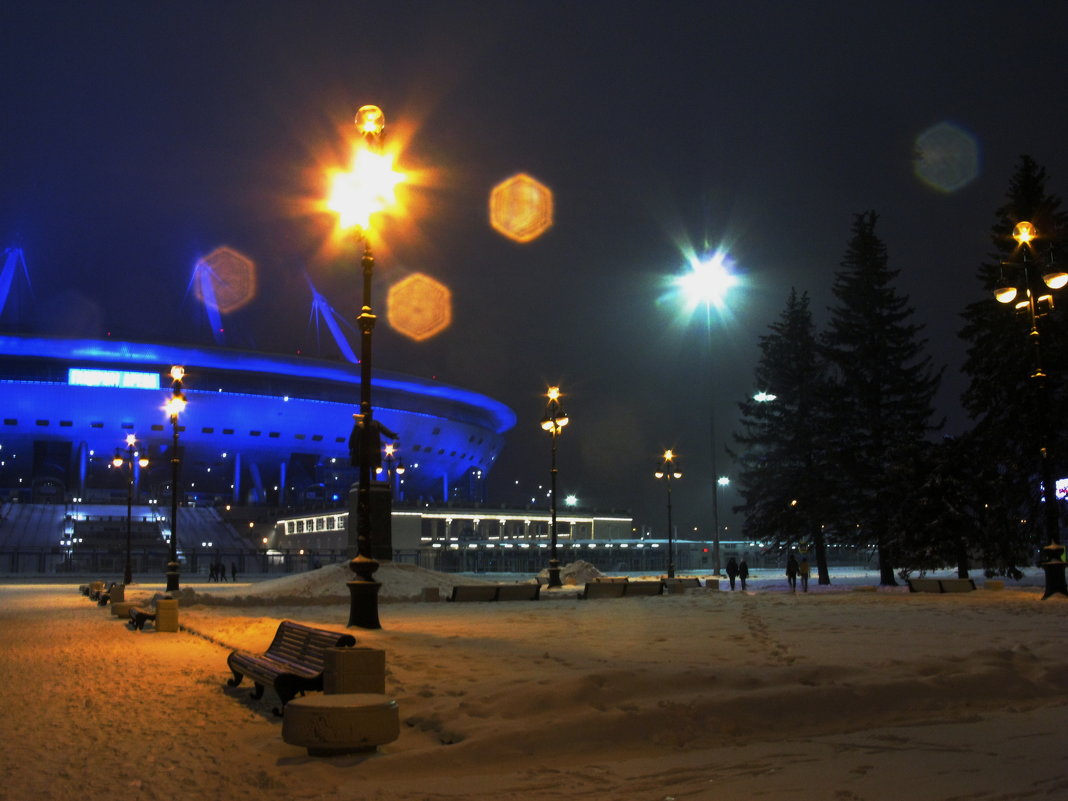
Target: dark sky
x,y
135,137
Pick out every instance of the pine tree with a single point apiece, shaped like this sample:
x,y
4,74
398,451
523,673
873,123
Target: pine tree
x,y
883,387
1009,406
781,455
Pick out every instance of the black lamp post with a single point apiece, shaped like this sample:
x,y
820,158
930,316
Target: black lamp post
x,y
175,406
356,196
669,473
142,461
1037,300
554,421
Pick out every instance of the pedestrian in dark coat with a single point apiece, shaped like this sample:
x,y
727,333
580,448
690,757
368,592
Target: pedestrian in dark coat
x,y
791,573
732,570
743,573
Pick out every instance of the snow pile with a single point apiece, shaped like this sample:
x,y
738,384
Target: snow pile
x,y
327,585
576,573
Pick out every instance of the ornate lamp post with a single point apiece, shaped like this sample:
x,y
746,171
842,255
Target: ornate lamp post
x,y
554,421
669,473
356,196
393,469
175,406
142,462
1036,299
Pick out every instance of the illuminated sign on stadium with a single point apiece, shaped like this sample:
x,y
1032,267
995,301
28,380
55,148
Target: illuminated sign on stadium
x,y
122,379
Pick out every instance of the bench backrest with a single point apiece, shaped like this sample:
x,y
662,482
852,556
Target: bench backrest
x,y
518,592
604,589
644,588
474,592
295,642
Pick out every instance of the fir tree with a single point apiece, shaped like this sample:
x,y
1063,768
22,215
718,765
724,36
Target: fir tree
x,y
883,387
782,453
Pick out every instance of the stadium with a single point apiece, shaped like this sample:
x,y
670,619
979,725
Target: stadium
x,y
261,432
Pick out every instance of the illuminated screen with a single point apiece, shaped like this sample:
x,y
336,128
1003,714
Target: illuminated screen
x,y
122,379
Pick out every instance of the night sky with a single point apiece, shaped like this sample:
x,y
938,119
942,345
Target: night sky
x,y
136,137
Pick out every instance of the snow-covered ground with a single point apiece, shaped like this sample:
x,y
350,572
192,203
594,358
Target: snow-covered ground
x,y
834,694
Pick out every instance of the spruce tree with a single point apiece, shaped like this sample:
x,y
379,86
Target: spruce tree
x,y
1014,412
881,398
781,454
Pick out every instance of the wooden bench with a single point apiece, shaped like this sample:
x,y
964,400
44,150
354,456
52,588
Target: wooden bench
x,y
293,663
675,585
636,588
474,592
518,592
603,589
941,585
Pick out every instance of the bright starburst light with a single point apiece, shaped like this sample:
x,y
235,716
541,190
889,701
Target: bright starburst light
x,y
708,281
370,187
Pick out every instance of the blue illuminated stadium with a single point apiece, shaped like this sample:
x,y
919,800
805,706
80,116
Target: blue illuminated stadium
x,y
259,428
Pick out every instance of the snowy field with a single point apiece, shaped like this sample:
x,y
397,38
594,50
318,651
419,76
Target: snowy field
x,y
835,694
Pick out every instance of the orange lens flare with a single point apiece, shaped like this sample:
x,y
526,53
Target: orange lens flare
x,y
225,280
419,307
521,208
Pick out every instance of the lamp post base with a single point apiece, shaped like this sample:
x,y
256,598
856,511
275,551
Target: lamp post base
x,y
363,593
172,577
554,573
363,604
1054,565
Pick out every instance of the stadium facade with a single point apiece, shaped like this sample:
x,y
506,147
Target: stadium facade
x,y
259,429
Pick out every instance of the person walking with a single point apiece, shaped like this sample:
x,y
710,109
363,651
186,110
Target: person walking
x,y
743,573
803,571
791,573
211,572
233,572
732,570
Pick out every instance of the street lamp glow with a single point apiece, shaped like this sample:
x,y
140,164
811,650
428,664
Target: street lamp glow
x,y
1024,232
723,481
764,397
708,281
368,188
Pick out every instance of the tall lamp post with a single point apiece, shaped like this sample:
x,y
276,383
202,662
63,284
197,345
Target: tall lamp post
x,y
706,284
554,421
355,197
175,406
669,473
142,462
1035,302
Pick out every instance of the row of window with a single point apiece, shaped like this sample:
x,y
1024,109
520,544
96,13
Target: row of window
x,y
11,421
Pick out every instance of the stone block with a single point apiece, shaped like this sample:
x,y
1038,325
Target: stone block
x,y
354,670
167,614
329,725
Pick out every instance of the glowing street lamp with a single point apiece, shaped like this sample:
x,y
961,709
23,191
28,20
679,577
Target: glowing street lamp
x,y
132,458
368,189
1036,303
668,472
175,406
554,421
